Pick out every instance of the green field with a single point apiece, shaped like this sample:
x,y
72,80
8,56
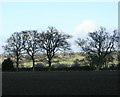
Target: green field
x,y
60,60
66,60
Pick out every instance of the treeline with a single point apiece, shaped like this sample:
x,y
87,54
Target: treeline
x,y
98,47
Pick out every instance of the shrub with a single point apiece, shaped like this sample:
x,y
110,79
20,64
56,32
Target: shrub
x,y
84,68
76,63
59,67
25,69
40,67
7,65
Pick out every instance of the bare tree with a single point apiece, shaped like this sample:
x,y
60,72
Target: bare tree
x,y
13,47
98,46
30,45
52,41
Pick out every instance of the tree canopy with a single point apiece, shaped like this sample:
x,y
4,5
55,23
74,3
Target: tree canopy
x,y
98,46
52,41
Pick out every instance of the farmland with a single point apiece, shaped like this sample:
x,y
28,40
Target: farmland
x,y
60,83
60,60
63,62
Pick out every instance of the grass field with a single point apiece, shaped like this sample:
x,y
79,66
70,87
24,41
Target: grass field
x,y
66,60
59,60
60,83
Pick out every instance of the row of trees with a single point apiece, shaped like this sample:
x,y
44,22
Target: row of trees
x,y
32,42
98,46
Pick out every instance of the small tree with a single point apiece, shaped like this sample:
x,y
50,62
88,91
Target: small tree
x,y
7,65
52,41
98,46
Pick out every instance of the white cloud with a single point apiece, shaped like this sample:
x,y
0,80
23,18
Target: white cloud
x,y
81,31
85,27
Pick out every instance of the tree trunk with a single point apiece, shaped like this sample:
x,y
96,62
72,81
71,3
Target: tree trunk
x,y
49,62
100,63
17,62
118,60
33,63
97,68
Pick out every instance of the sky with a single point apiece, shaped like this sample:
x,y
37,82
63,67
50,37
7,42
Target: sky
x,y
75,18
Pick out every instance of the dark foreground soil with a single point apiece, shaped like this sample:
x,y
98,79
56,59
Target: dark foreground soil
x,y
60,83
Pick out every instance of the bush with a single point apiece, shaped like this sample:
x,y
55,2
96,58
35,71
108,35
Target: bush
x,y
84,68
7,65
25,69
88,68
76,63
61,66
118,66
40,67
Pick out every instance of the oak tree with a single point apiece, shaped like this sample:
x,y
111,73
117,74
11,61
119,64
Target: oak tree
x,y
98,46
52,41
13,47
30,44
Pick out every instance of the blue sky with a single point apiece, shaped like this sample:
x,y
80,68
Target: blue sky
x,y
75,18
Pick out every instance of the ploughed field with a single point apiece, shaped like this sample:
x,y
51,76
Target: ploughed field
x,y
60,83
